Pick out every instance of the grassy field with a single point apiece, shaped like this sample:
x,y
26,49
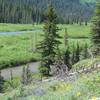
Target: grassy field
x,y
76,30
19,49
16,50
15,27
73,30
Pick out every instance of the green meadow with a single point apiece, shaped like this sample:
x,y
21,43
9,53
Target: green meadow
x,y
21,48
15,27
73,30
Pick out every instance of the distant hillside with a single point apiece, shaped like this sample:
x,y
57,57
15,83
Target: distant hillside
x,y
89,1
28,11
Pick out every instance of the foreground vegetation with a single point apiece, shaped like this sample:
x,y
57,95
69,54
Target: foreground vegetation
x,y
85,88
86,63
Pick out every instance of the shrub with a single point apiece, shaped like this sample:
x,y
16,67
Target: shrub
x,y
43,70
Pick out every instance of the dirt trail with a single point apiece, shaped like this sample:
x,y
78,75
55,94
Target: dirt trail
x,y
17,71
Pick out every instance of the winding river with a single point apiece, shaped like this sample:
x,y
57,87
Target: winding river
x,y
17,70
20,32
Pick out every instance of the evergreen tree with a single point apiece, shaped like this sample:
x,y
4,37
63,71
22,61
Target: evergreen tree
x,y
29,11
86,22
67,59
96,30
77,53
67,53
66,38
50,43
85,52
73,55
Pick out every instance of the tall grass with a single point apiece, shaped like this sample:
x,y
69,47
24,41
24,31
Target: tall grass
x,y
20,49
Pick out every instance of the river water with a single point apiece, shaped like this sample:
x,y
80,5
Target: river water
x,y
19,32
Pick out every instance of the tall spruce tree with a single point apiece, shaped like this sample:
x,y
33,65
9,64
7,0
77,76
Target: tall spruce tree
x,y
96,30
51,42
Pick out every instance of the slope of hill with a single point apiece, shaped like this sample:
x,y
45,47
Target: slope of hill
x,y
88,1
83,87
27,11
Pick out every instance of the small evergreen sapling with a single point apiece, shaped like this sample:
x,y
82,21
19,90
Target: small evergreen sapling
x,y
73,55
77,53
67,58
66,38
85,51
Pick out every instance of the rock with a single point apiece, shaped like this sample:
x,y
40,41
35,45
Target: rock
x,y
39,92
1,94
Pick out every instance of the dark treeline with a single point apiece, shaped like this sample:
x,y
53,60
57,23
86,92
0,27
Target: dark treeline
x,y
29,11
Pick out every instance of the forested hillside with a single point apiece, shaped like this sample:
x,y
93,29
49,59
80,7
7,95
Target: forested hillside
x,y
29,11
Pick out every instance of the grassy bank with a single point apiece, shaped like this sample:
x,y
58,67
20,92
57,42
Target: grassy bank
x,y
86,63
20,49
